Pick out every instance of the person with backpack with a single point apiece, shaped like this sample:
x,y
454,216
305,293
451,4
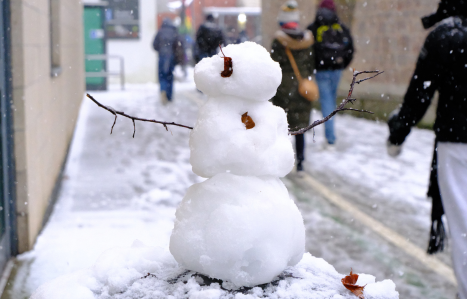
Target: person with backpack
x,y
333,51
442,67
208,38
292,47
169,45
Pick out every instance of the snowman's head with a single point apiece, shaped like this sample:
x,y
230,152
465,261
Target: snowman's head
x,y
255,75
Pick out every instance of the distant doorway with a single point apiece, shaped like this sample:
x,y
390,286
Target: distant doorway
x,y
95,44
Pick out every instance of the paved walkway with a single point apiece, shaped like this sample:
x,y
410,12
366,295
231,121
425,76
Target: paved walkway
x,y
117,189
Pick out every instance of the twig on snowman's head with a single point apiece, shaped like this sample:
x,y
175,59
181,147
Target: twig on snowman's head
x,y
133,118
341,107
220,47
228,65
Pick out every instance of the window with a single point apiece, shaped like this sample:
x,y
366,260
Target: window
x,y
55,49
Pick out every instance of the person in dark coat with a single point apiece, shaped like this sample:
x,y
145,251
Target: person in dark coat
x,y
442,66
333,50
208,38
300,43
169,45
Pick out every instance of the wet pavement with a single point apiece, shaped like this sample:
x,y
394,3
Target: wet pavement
x,y
117,189
336,236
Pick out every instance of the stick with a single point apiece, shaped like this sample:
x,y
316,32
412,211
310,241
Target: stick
x,y
133,118
341,107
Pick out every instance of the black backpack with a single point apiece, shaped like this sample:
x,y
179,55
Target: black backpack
x,y
333,43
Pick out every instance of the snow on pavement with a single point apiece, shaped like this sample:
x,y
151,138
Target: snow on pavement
x,y
117,189
392,190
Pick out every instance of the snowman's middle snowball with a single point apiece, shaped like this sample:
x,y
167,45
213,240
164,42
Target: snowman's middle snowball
x,y
242,229
220,142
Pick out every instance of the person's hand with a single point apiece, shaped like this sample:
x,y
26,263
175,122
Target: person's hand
x,y
393,150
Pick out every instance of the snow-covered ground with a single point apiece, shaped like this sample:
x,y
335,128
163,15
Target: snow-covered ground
x,y
117,189
391,190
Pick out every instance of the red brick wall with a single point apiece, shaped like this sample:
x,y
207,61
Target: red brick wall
x,y
161,16
197,8
388,35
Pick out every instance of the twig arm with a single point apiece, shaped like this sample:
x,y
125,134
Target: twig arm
x,y
341,107
134,118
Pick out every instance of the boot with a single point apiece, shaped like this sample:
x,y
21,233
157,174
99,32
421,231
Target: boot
x,y
300,164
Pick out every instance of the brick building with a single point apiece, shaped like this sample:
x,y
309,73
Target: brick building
x,y
388,35
226,14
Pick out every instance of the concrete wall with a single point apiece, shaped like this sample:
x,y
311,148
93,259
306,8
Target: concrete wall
x,y
45,107
388,35
140,58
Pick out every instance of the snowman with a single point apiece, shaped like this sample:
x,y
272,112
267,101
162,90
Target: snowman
x,y
239,225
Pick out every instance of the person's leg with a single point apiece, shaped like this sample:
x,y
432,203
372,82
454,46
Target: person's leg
x,y
452,179
335,79
323,79
163,73
300,149
170,79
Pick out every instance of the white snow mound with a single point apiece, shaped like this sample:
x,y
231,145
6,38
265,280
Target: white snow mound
x,y
255,75
132,263
311,278
245,230
221,143
79,285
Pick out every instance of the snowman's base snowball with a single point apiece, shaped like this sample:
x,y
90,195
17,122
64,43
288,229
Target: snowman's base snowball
x,y
311,278
242,229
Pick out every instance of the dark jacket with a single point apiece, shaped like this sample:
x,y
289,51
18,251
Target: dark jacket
x,y
325,59
208,38
442,66
166,39
297,108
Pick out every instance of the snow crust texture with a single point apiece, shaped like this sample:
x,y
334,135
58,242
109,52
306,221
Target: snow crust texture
x,y
121,273
242,229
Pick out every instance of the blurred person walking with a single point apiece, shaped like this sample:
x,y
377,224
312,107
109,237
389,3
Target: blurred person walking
x,y
243,36
441,66
299,42
169,45
333,50
208,38
231,36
